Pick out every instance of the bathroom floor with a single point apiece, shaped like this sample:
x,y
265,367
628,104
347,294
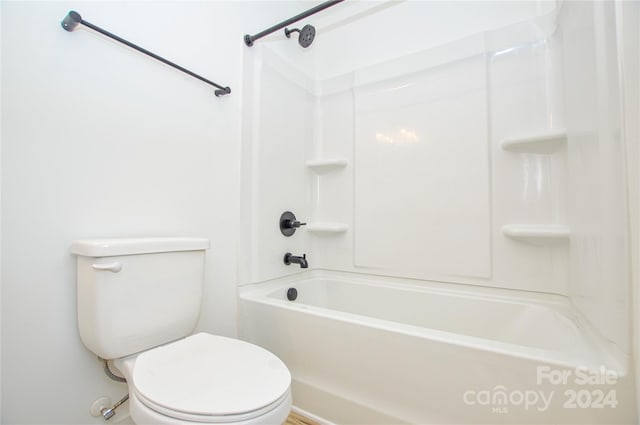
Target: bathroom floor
x,y
296,419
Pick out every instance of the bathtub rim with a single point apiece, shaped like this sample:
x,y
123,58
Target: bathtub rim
x,y
607,354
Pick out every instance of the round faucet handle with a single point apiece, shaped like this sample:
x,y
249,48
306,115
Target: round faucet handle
x,y
288,223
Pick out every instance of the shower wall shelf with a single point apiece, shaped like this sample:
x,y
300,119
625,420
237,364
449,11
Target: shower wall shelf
x,y
324,166
327,227
536,232
546,143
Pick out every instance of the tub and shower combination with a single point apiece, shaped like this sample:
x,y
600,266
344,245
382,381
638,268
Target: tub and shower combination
x,y
466,214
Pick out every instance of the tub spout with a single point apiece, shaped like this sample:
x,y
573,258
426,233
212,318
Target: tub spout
x,y
289,258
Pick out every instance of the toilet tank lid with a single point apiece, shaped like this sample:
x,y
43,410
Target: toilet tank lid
x,y
130,246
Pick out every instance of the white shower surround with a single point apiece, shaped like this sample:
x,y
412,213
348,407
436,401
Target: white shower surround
x,y
545,210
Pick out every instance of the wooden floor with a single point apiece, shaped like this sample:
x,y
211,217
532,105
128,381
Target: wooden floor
x,y
295,419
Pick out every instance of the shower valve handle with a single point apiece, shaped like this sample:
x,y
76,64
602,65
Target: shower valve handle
x,y
288,223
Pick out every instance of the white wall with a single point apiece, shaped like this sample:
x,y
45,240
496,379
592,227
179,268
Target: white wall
x,y
99,140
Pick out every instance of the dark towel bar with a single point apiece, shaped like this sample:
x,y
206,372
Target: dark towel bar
x,y
73,19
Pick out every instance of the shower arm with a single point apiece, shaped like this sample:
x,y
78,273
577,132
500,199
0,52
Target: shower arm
x,y
249,39
73,19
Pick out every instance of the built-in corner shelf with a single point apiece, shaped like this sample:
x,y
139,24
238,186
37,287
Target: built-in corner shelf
x,y
536,232
327,227
546,143
323,166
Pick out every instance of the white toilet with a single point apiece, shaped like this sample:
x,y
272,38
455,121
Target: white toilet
x,y
138,302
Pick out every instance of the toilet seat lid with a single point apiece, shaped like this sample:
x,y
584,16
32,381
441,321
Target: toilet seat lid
x,y
210,375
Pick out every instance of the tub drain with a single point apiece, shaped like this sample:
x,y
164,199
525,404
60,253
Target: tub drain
x,y
292,294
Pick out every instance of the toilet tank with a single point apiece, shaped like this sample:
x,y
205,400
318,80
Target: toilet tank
x,y
136,293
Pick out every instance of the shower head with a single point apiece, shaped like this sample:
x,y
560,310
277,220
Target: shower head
x,y
307,34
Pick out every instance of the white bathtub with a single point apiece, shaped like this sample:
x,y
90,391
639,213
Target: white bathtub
x,y
367,350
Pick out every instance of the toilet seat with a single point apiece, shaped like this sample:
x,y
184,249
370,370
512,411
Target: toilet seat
x,y
207,378
215,419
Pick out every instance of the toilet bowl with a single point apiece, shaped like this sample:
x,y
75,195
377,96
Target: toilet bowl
x,y
138,302
207,379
